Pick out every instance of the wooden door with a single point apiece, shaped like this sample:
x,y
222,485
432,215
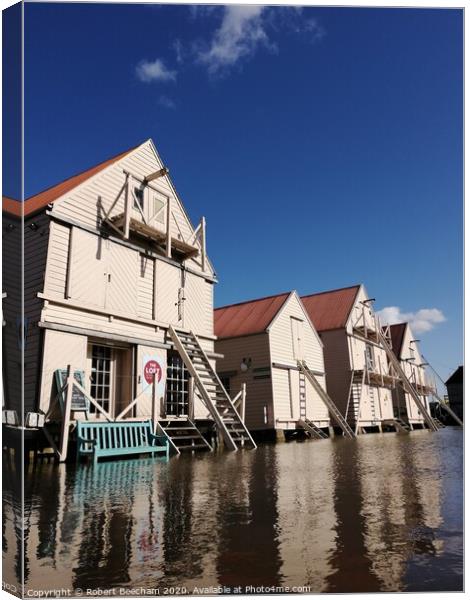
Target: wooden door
x,y
297,326
123,268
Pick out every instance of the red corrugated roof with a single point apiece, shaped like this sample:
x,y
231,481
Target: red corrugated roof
x,y
247,318
397,335
41,200
331,309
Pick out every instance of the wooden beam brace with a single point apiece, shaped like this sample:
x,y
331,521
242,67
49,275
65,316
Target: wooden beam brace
x,y
65,429
203,243
132,404
108,212
194,236
156,174
98,407
68,279
127,211
168,229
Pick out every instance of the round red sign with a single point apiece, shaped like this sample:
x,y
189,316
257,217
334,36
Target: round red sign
x,y
152,369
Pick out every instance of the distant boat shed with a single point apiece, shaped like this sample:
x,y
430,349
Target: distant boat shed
x,y
455,391
261,342
361,368
406,349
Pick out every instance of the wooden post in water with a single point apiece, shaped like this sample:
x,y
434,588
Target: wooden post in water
x,y
64,432
154,403
242,404
191,398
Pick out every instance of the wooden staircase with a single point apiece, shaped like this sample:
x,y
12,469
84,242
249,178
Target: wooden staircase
x,y
400,425
212,392
333,409
407,385
447,408
312,429
183,435
439,424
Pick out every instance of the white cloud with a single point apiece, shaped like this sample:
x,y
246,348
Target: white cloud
x,y
166,102
148,71
240,34
421,321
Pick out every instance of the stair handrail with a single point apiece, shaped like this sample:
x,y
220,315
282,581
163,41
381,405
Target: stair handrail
x,y
202,389
406,382
347,431
447,408
217,378
349,395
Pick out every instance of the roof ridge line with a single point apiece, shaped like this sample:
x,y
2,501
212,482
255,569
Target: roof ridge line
x,y
341,289
115,156
253,300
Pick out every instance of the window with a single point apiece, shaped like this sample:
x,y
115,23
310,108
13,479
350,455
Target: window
x,y
157,202
370,362
101,363
225,381
139,198
177,387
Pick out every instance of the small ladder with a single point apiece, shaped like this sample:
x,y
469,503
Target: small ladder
x,y
183,435
312,429
372,404
331,406
407,385
212,392
302,397
353,409
439,423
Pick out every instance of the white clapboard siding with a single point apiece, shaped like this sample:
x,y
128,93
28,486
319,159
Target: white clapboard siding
x,y
291,323
282,397
281,341
93,321
35,253
316,409
337,366
198,305
88,268
60,349
259,398
145,287
57,256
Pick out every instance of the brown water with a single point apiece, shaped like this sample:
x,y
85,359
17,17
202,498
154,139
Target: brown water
x,y
383,512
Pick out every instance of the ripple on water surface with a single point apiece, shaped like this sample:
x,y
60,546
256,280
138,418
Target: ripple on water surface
x,y
383,512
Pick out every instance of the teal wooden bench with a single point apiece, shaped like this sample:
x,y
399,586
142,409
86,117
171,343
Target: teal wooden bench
x,y
118,438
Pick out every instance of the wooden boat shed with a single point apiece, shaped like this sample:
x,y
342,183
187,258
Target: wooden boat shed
x,y
118,307
361,368
406,348
271,348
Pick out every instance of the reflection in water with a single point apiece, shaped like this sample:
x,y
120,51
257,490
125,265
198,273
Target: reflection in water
x,y
383,512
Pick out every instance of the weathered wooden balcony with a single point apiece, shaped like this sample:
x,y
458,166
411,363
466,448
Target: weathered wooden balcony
x,y
183,249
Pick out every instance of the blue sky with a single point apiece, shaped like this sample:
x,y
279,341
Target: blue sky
x,y
324,146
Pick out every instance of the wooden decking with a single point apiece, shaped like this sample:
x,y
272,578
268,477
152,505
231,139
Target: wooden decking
x,y
152,233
